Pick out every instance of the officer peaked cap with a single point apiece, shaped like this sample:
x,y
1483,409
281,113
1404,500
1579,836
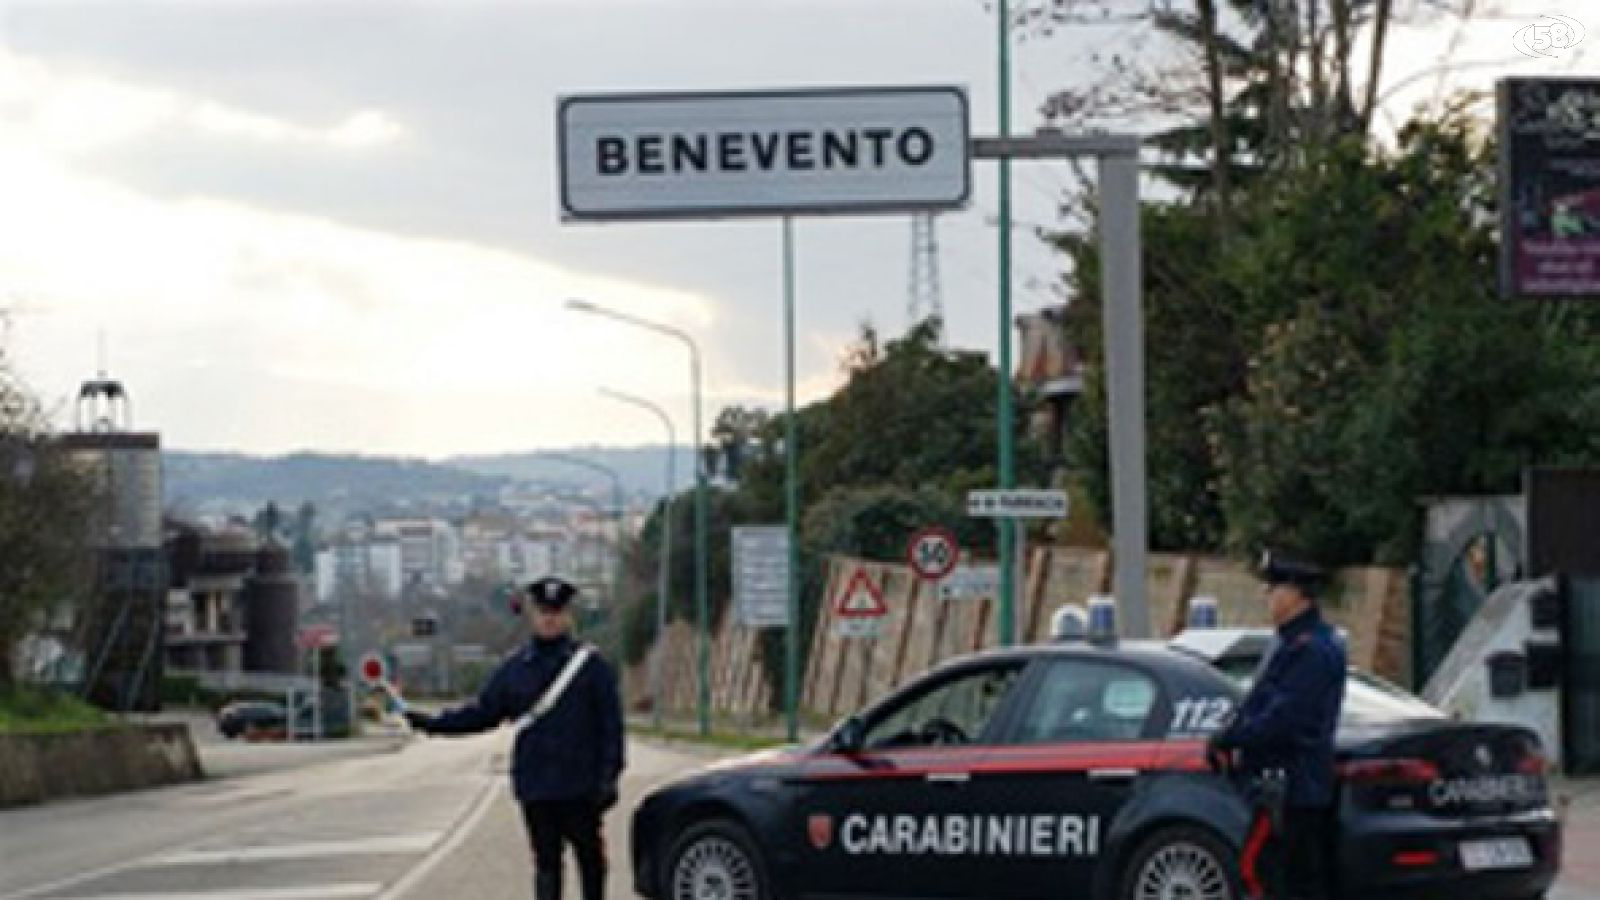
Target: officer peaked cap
x,y
1276,569
553,592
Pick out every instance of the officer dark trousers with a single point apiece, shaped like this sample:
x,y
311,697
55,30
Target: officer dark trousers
x,y
575,822
1307,843
1294,862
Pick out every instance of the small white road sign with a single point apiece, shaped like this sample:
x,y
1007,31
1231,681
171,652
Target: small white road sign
x,y
1024,503
970,582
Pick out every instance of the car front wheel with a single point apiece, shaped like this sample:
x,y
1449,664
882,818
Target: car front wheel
x,y
1182,863
715,860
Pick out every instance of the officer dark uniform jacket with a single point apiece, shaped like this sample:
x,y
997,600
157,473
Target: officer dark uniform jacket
x,y
574,750
1288,721
565,765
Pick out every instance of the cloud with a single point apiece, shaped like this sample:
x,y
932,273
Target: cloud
x,y
77,111
199,293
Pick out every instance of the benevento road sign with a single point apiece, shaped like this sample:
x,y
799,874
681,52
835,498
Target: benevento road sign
x,y
1017,504
749,153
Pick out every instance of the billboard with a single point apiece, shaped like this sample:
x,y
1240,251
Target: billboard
x,y
1549,187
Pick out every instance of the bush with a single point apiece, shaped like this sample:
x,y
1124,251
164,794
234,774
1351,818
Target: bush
x,y
30,710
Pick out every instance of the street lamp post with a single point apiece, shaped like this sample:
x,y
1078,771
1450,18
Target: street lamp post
x,y
701,603
615,586
664,569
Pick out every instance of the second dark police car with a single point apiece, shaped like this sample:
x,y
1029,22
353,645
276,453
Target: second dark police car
x,y
1077,770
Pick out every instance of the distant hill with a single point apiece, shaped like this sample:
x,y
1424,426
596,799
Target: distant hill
x,y
640,469
219,483
224,482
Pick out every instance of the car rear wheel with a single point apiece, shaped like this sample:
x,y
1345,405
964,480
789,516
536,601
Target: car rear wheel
x,y
715,860
1182,863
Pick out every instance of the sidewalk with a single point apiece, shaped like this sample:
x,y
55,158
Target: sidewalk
x,y
224,758
1578,800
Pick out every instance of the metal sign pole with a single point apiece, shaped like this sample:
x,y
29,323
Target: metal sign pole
x,y
1019,587
1008,528
791,455
1121,294
1124,328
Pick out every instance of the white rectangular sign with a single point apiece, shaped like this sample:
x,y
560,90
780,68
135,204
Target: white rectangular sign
x,y
1017,504
746,153
857,628
761,575
968,582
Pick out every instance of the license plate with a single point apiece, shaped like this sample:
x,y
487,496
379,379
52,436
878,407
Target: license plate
x,y
1501,853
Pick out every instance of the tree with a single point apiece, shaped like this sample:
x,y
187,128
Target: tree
x,y
896,447
735,436
1340,353
46,510
1396,370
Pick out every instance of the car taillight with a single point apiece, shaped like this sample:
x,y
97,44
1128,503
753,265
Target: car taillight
x,y
1413,859
1533,763
1389,771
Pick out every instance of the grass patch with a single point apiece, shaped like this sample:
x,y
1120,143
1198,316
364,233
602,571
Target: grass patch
x,y
31,710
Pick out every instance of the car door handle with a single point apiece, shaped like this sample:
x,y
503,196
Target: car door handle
x,y
1113,775
949,777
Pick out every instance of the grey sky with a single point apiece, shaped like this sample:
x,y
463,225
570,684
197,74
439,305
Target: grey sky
x,y
333,225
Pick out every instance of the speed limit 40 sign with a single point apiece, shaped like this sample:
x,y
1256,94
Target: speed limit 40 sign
x,y
933,553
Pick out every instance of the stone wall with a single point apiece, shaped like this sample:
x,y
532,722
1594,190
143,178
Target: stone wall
x,y
39,767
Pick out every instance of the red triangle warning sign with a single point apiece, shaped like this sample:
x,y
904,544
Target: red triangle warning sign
x,y
860,599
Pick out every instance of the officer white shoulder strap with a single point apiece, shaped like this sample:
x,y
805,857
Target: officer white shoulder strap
x,y
552,694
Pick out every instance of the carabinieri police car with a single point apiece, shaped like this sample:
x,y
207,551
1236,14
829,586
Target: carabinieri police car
x,y
1078,770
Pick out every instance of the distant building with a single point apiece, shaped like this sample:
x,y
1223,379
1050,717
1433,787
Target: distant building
x,y
233,604
366,567
430,550
1052,367
122,624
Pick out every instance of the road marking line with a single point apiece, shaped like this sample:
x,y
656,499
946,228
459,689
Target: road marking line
x,y
458,835
395,843
309,892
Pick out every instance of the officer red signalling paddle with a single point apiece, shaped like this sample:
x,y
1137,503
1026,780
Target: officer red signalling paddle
x,y
568,753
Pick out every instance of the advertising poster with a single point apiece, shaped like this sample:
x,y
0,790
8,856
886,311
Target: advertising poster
x,y
1550,187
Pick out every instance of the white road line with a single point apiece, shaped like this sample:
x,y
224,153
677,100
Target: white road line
x,y
458,835
394,843
309,892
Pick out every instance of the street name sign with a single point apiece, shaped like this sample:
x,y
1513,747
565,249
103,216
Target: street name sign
x,y
969,582
1017,504
763,153
761,575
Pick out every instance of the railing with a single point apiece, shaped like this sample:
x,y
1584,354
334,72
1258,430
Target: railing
x,y
256,682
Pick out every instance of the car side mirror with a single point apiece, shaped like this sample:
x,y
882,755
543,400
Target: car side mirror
x,y
850,736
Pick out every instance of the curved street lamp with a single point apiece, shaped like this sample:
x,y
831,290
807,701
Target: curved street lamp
x,y
615,587
664,573
701,604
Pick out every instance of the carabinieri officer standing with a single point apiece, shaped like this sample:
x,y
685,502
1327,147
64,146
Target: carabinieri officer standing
x,y
1284,735
568,753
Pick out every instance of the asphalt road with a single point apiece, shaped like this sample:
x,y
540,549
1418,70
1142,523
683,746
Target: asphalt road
x,y
432,818
408,820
